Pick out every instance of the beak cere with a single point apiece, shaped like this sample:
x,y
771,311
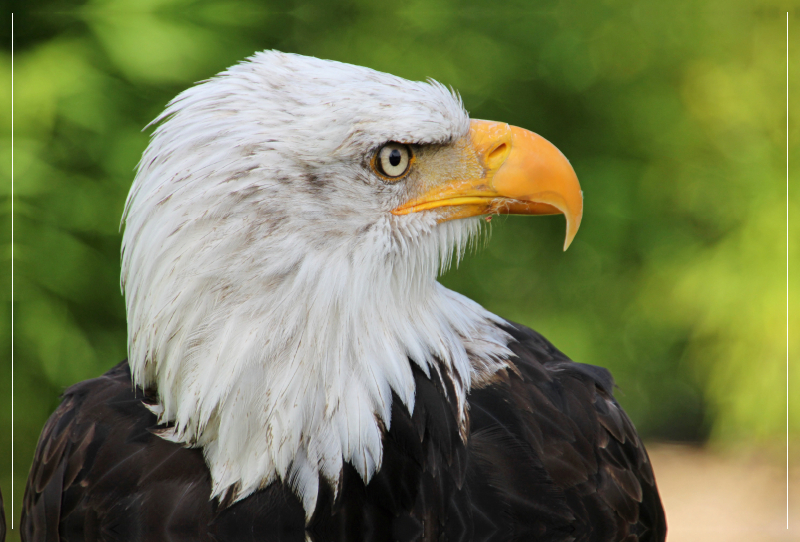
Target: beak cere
x,y
523,174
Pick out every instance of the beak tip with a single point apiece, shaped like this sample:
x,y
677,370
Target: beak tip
x,y
572,229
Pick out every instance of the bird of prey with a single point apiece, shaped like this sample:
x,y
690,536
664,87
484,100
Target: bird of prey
x,y
296,372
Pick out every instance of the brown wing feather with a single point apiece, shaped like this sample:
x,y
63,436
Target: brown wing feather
x,y
563,414
100,473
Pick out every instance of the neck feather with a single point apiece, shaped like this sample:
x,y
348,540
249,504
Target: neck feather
x,y
288,376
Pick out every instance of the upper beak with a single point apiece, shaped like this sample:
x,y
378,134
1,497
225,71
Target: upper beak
x,y
523,174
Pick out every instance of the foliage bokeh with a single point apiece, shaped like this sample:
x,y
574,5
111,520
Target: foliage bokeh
x,y
672,114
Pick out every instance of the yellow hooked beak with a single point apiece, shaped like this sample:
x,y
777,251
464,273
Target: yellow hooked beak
x,y
523,174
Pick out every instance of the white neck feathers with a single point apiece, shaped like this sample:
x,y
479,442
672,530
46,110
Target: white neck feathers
x,y
285,376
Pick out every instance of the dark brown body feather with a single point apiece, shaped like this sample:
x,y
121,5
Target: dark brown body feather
x,y
550,457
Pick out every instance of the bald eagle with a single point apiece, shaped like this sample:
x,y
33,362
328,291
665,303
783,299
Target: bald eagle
x,y
295,370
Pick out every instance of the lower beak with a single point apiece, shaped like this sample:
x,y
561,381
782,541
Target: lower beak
x,y
523,174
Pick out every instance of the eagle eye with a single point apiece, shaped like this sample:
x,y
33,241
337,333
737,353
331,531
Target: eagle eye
x,y
393,160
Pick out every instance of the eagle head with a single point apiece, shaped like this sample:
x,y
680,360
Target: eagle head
x,y
283,237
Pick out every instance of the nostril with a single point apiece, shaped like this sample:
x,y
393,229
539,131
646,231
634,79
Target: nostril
x,y
498,153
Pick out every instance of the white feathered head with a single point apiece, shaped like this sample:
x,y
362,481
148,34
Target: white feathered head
x,y
282,241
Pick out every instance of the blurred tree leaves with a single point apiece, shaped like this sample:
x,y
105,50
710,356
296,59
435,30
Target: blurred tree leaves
x,y
672,114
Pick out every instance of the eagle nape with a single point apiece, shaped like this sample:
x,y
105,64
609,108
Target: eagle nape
x,y
296,371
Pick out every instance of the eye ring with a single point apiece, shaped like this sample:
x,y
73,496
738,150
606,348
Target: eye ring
x,y
392,161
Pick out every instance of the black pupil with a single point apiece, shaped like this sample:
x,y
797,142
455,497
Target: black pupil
x,y
395,157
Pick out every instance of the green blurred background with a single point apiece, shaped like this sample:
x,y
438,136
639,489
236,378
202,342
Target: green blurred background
x,y
672,114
